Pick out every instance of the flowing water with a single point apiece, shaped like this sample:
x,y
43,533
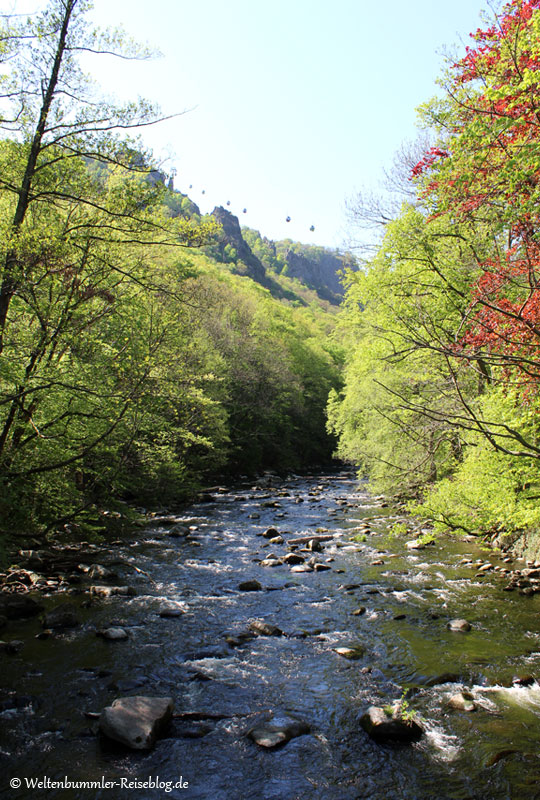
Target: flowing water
x,y
401,641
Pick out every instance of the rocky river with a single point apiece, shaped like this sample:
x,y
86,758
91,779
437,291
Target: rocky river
x,y
277,613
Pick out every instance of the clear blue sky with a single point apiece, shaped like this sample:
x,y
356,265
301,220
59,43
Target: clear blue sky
x,y
295,103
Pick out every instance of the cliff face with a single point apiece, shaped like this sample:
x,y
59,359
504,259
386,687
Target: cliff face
x,y
232,235
263,260
320,272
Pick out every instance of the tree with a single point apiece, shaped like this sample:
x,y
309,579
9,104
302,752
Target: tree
x,y
443,372
485,173
83,231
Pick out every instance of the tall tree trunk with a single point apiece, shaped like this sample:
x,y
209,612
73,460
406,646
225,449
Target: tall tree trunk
x,y
9,277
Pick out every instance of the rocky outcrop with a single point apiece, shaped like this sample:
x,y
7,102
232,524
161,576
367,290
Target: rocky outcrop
x,y
319,272
231,234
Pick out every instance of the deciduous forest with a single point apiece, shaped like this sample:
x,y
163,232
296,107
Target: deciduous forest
x,y
441,329
139,360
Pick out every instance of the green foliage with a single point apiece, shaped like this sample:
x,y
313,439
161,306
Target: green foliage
x,y
400,709
394,415
490,491
265,250
128,370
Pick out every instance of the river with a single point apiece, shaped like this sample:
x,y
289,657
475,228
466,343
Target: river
x,y
222,686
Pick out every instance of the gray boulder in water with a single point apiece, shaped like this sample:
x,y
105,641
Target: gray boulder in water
x,y
136,721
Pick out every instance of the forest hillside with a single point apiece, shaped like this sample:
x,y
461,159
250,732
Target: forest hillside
x,y
145,350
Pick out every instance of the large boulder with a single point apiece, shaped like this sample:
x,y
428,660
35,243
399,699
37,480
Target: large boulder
x,y
136,721
394,727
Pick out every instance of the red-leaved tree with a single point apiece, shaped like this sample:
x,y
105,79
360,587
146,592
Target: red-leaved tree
x,y
485,176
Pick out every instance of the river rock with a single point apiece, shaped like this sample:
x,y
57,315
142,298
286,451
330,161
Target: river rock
x,y
178,531
136,721
496,757
170,611
318,567
164,520
64,616
99,572
112,591
459,625
415,544
384,728
271,561
301,568
293,558
262,628
271,533
443,677
462,701
113,634
359,611
238,639
523,680
277,540
277,731
18,606
531,573
12,647
250,586
352,653
37,558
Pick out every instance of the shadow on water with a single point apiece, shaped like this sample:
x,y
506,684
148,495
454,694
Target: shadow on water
x,y
223,682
